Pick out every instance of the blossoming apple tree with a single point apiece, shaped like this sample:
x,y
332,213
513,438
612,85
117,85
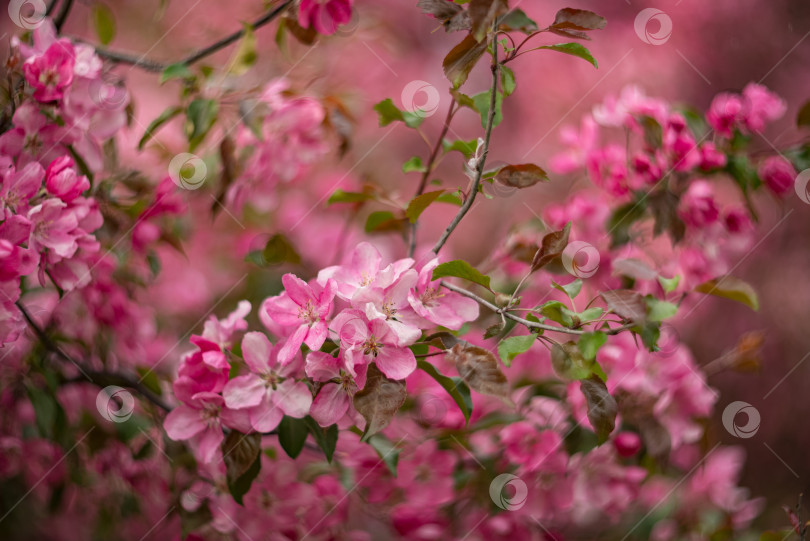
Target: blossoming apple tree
x,y
396,390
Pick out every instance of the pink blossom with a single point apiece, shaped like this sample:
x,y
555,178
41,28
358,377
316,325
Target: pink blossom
x,y
778,175
334,398
51,73
268,392
54,226
324,15
711,157
438,305
725,113
62,180
363,341
202,418
20,186
204,370
303,308
361,270
33,138
698,207
221,331
762,106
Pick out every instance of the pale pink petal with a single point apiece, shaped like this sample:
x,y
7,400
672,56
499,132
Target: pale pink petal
x,y
183,422
292,345
297,289
395,362
256,350
209,442
294,398
322,366
316,336
330,405
244,391
281,310
266,416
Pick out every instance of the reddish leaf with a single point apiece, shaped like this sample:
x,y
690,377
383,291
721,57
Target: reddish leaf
x,y
627,304
479,369
551,247
483,14
462,59
602,407
379,400
521,176
578,19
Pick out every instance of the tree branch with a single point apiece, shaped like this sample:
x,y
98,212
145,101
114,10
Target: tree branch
x,y
526,322
429,168
480,165
61,17
101,379
155,66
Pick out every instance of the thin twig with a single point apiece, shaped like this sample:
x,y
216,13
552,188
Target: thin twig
x,y
102,379
481,162
434,153
61,18
155,66
526,322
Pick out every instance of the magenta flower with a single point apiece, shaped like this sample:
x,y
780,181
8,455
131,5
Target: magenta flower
x,y
267,393
33,138
54,227
303,307
324,15
698,207
390,304
202,419
51,73
334,398
363,341
20,186
440,306
62,180
204,370
778,175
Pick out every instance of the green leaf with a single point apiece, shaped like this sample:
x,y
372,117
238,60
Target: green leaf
x,y
574,49
508,82
569,363
455,387
518,20
245,55
279,250
450,198
419,203
589,344
379,221
326,438
157,123
732,288
621,220
176,71
572,289
558,312
386,451
482,105
103,22
511,347
461,269
388,113
669,284
595,312
292,435
339,196
201,113
414,164
467,148
658,310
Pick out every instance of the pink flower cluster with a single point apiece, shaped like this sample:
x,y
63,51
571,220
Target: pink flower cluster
x,y
286,136
382,310
46,224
